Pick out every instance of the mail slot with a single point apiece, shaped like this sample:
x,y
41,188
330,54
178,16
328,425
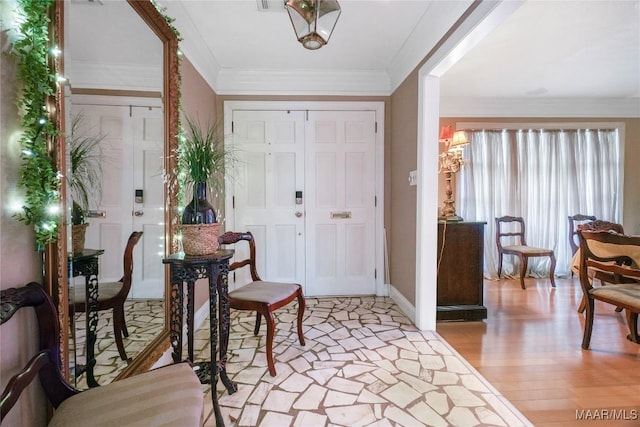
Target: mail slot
x,y
96,214
342,215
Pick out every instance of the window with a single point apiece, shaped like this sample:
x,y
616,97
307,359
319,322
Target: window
x,y
544,176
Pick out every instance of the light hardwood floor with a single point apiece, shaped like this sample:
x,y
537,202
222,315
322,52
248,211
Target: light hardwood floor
x,y
529,349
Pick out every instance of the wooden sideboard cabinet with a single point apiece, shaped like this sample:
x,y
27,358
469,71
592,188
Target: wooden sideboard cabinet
x,y
460,265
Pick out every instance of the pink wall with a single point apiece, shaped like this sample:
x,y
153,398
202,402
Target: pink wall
x,y
19,262
199,104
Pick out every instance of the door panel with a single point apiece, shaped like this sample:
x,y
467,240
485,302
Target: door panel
x,y
330,157
110,230
340,216
269,172
132,158
148,216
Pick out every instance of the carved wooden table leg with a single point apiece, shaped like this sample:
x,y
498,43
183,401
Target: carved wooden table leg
x,y
225,323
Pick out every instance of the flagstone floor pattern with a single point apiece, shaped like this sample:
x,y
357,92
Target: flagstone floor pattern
x,y
364,364
144,319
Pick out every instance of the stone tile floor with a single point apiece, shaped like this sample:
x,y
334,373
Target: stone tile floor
x,y
364,364
145,320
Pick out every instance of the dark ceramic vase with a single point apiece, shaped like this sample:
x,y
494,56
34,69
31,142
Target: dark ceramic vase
x,y
199,211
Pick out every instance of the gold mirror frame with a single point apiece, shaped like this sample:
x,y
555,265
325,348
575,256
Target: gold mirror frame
x,y
55,257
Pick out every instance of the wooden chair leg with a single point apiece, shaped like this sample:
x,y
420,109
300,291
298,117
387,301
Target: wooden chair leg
x,y
271,330
117,333
552,270
588,323
632,322
499,265
256,329
125,331
301,305
524,261
582,305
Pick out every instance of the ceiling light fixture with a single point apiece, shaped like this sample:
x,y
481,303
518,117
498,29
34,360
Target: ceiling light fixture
x,y
313,20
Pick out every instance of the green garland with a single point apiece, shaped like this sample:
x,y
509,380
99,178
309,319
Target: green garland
x,y
38,173
181,175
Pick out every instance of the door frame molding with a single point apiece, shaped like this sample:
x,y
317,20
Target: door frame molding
x,y
382,288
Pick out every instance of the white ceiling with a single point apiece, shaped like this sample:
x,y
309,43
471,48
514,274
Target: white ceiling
x,y
544,54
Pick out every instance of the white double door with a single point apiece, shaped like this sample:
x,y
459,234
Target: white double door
x,y
305,186
132,190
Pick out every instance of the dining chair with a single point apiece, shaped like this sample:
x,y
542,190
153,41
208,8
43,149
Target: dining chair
x,y
513,228
603,277
574,221
112,295
263,297
617,255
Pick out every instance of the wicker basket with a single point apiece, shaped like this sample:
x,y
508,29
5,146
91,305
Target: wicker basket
x,y
77,237
199,239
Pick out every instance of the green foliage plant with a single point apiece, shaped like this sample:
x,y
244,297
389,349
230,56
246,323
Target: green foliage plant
x,y
202,155
85,179
38,175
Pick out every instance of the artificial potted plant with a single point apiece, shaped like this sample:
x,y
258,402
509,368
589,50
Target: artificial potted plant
x,y
202,158
85,179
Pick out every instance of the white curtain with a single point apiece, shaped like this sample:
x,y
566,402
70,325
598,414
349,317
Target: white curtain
x,y
543,176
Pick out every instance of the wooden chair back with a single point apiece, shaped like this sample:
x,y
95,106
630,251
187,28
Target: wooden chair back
x,y
230,238
46,363
574,221
602,252
504,231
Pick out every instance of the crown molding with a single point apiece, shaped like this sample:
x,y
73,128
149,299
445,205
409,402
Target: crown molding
x,y
540,107
424,37
113,76
310,82
192,43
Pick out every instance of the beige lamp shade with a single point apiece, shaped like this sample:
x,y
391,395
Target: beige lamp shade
x,y
459,139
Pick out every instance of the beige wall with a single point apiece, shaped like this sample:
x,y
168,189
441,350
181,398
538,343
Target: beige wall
x,y
19,262
403,148
199,103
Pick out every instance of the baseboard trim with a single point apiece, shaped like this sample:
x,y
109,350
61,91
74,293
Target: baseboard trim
x,y
407,308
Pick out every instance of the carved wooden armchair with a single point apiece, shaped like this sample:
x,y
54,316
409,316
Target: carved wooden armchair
x,y
617,255
596,225
171,395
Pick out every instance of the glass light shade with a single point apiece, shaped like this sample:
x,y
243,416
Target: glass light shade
x,y
313,20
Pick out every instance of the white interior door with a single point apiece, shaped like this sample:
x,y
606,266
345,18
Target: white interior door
x,y
330,157
340,217
147,198
132,159
270,170
110,223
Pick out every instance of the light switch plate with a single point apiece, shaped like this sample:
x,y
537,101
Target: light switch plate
x,y
413,178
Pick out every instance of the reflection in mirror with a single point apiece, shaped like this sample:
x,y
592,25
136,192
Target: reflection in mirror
x,y
117,95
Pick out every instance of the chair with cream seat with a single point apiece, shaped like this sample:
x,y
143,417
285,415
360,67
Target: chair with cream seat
x,y
261,296
513,228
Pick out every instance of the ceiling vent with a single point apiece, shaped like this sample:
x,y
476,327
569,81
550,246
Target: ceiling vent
x,y
270,5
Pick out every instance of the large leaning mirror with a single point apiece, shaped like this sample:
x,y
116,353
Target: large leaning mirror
x,y
120,119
